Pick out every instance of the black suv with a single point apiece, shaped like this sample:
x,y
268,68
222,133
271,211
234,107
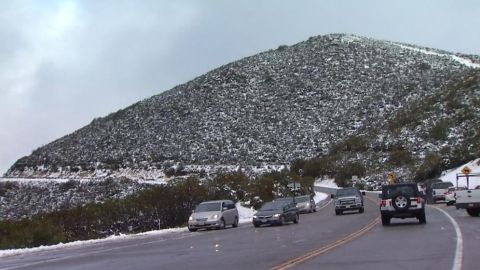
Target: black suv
x,y
401,201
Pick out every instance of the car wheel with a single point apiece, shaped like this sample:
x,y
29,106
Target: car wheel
x,y
281,221
297,217
385,220
192,229
421,218
256,225
361,210
222,224
400,202
338,212
474,212
235,223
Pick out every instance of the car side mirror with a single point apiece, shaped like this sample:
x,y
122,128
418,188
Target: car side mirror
x,y
363,193
332,196
224,208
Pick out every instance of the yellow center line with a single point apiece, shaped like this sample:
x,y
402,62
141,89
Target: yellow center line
x,y
296,261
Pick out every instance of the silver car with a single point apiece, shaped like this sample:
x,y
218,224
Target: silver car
x,y
305,203
213,214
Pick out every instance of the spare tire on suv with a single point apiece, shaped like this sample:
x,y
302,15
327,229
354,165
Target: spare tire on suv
x,y
402,201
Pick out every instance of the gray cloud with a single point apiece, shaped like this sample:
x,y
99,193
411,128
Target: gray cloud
x,y
62,63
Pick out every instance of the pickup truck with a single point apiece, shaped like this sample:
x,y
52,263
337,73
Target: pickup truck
x,y
348,199
469,199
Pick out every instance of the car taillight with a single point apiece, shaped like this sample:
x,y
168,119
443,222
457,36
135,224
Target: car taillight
x,y
419,200
445,193
383,203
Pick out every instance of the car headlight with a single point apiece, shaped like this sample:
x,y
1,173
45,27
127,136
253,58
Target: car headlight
x,y
190,218
254,216
307,205
214,216
276,215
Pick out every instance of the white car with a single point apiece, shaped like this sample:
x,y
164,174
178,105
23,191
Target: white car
x,y
450,197
213,214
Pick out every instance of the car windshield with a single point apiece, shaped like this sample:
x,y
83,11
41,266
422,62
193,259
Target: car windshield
x,y
302,199
272,206
208,207
347,192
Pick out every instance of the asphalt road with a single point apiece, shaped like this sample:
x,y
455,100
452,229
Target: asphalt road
x,y
321,240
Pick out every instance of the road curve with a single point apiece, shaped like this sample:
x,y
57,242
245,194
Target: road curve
x,y
404,245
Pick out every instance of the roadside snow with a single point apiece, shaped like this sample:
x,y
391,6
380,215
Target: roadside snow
x,y
451,175
245,214
319,196
12,252
329,183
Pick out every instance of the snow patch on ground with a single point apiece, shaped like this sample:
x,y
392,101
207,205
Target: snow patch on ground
x,y
13,252
328,183
319,196
451,175
245,214
461,60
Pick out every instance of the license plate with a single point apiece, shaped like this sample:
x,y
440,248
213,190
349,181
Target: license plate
x,y
201,223
470,204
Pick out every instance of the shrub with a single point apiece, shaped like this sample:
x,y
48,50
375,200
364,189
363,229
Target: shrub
x,y
282,47
7,186
430,168
424,66
351,144
440,130
70,184
344,174
400,157
317,167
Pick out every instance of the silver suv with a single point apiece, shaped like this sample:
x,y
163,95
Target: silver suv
x,y
213,214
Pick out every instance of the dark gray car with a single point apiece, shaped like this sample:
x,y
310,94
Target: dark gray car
x,y
276,213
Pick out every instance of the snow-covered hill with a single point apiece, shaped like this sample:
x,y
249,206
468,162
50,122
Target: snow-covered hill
x,y
298,101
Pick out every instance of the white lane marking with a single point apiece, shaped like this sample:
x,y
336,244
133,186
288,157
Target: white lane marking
x,y
457,262
330,201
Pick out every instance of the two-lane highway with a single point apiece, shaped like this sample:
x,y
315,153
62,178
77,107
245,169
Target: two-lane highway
x,y
322,239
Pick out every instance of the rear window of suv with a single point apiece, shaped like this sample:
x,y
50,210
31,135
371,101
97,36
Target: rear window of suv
x,y
409,190
444,185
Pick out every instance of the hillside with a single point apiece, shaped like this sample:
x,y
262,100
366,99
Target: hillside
x,y
301,101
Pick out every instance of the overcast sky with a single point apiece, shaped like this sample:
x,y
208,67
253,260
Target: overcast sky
x,y
63,63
